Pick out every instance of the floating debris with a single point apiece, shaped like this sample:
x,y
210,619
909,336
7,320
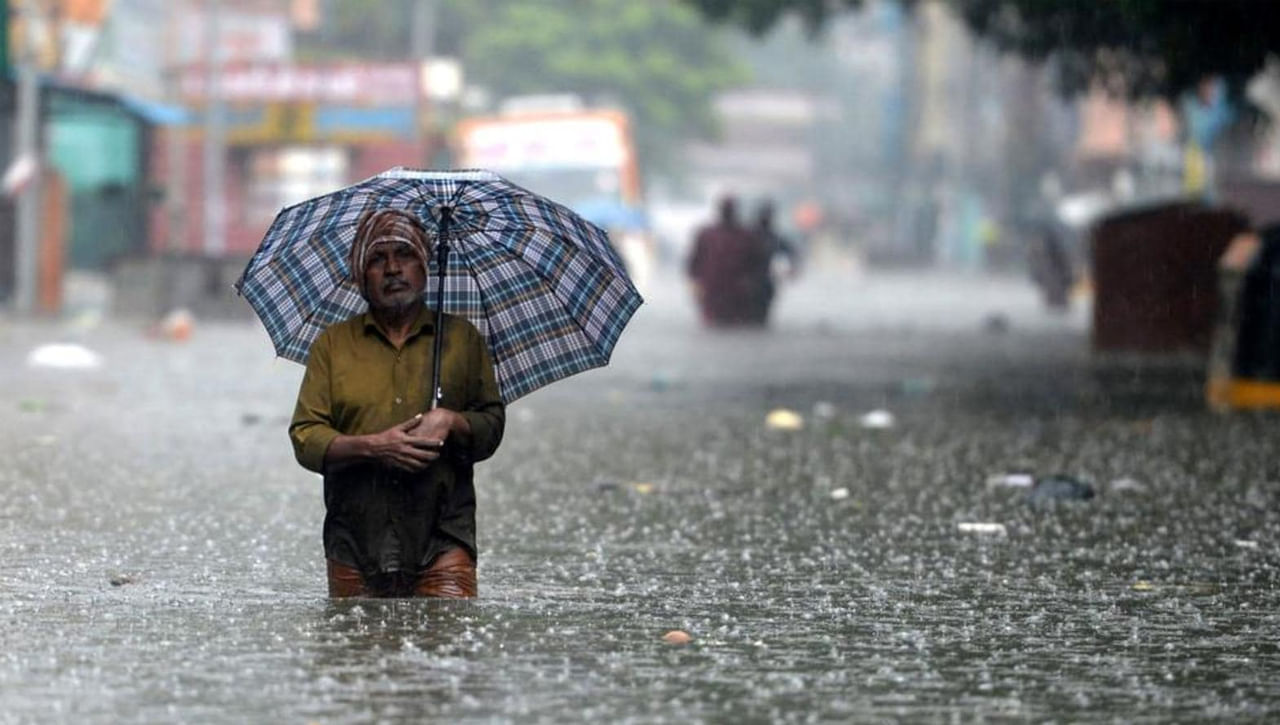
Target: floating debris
x,y
783,419
64,356
1245,544
642,487
1189,588
677,636
877,419
1011,480
840,494
1127,485
1059,487
119,580
982,527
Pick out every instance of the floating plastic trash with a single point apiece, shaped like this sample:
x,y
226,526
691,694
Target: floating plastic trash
x,y
65,356
982,527
642,487
1011,480
877,419
1245,544
783,419
840,494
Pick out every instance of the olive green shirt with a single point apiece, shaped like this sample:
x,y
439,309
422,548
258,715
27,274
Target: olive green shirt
x,y
378,519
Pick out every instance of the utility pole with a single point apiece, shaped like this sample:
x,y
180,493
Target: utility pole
x,y
215,134
424,30
176,134
27,150
422,47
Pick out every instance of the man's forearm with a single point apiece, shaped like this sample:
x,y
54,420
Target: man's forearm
x,y
346,450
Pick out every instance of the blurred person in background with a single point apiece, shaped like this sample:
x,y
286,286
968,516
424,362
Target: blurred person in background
x,y
777,259
1051,267
724,267
398,489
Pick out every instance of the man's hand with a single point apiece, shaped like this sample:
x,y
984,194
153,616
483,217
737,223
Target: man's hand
x,y
404,447
438,424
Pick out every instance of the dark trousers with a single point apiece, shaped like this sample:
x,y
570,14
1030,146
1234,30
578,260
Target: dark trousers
x,y
451,575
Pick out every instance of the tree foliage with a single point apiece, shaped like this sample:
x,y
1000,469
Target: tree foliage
x,y
1134,48
758,16
659,60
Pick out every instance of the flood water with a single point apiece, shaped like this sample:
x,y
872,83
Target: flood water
x,y
160,550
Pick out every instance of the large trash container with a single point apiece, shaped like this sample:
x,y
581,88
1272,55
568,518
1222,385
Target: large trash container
x,y
1155,277
1244,368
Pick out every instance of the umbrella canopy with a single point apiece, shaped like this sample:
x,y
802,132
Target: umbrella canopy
x,y
542,284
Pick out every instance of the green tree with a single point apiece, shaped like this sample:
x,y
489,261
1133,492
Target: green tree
x,y
659,60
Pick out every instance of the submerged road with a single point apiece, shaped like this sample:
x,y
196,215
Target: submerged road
x,y
160,554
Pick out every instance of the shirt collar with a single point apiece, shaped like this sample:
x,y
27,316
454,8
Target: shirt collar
x,y
424,322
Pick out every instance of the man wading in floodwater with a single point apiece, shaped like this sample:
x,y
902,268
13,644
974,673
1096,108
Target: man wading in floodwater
x,y
399,498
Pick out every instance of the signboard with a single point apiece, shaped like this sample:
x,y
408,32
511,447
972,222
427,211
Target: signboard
x,y
278,123
571,141
392,84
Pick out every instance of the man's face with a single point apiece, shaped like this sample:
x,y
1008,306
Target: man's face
x,y
394,277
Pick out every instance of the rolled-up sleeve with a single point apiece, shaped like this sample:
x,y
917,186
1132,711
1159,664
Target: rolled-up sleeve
x,y
311,430
485,412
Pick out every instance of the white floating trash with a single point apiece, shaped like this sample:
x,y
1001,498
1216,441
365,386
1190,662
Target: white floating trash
x,y
985,528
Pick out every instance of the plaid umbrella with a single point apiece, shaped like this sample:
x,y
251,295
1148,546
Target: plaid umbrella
x,y
543,285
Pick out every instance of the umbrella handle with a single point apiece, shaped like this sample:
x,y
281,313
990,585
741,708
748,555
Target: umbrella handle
x,y
442,254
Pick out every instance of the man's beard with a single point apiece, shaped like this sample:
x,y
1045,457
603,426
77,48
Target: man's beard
x,y
402,307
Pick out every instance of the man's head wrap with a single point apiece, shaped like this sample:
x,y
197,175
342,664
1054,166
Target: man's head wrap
x,y
385,226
